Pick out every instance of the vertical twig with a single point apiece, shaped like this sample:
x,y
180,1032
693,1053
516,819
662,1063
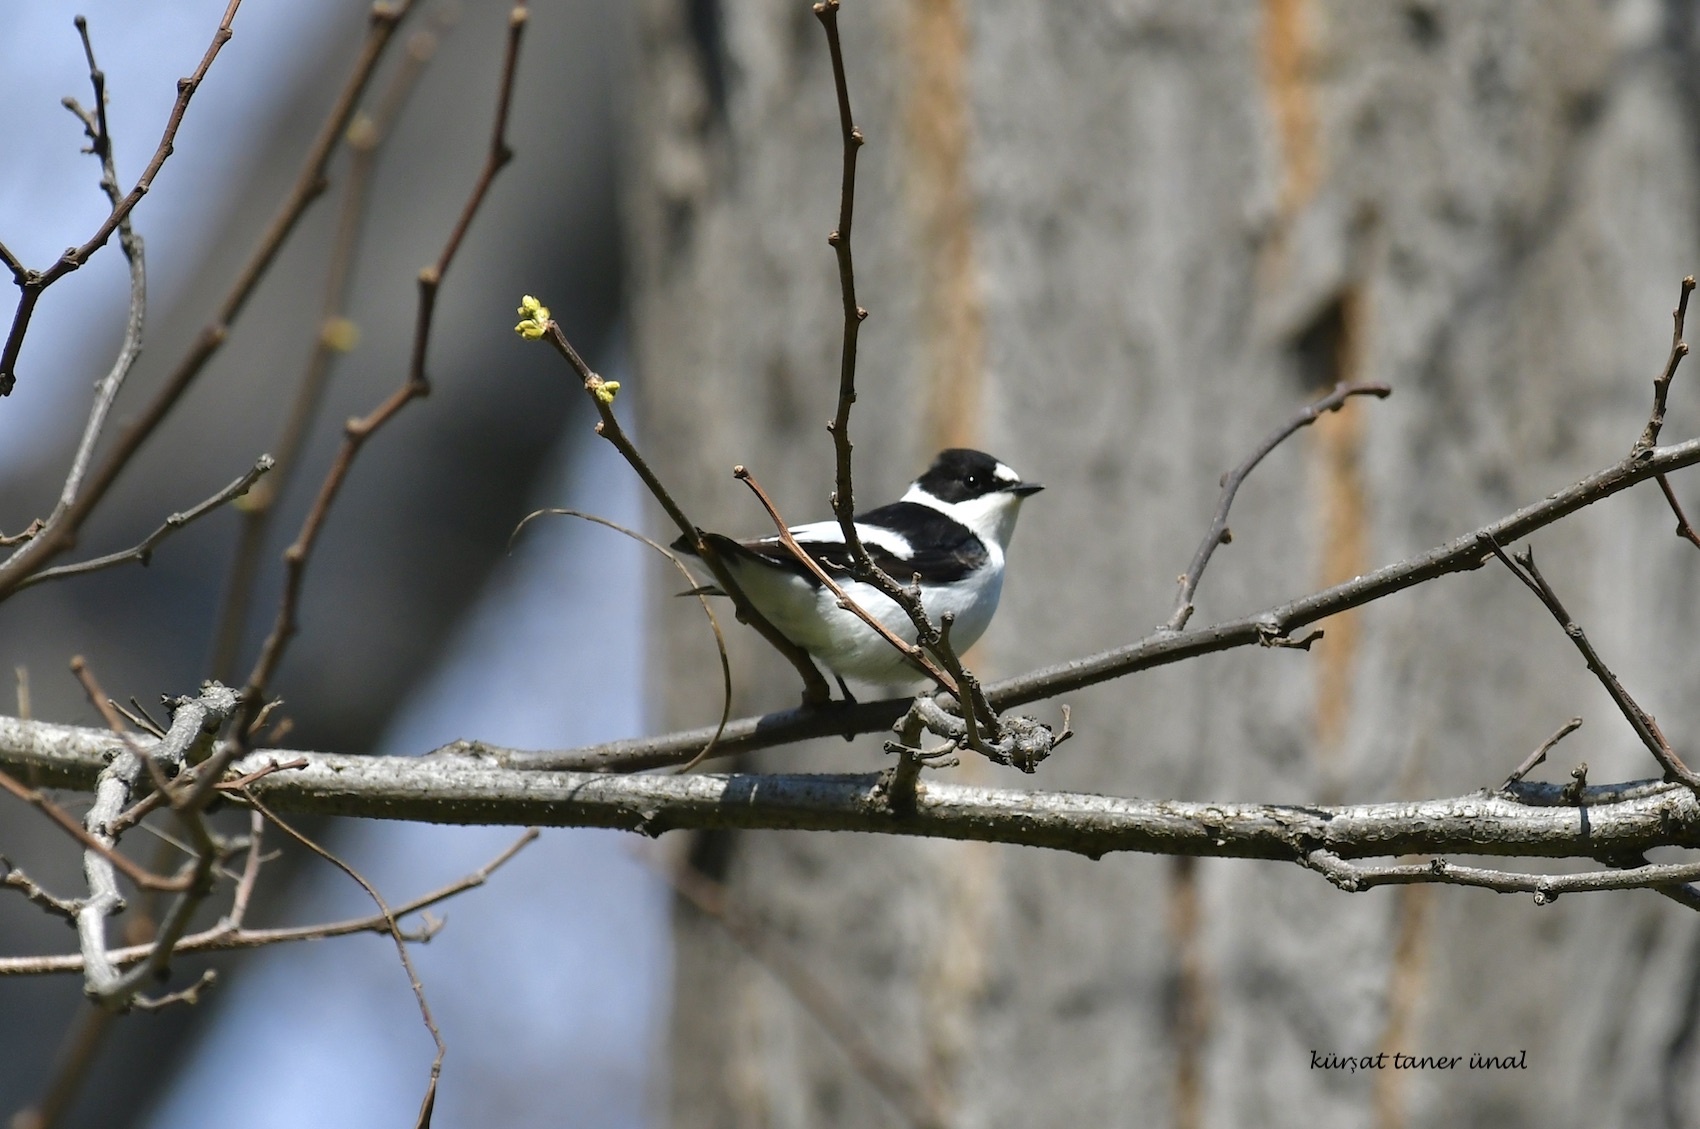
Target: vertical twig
x,y
1661,383
100,144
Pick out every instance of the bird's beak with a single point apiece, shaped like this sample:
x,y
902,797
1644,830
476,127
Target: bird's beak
x,y
1022,489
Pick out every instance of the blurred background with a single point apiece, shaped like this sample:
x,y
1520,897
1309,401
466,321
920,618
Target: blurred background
x,y
1111,242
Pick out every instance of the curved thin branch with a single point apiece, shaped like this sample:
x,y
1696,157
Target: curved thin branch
x,y
707,610
1218,532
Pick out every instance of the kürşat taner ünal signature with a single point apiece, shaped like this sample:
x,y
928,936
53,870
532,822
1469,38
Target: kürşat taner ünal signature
x,y
1393,1060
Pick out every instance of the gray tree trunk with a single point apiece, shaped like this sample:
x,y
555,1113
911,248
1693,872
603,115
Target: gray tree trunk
x,y
1114,243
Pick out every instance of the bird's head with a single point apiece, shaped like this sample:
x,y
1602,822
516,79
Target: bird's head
x,y
975,489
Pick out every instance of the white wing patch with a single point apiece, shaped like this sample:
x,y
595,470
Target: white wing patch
x,y
831,533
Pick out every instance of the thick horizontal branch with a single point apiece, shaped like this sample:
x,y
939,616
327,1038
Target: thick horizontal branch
x,y
473,790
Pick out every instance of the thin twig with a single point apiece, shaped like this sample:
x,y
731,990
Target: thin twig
x,y
707,610
365,136
862,564
228,935
601,393
428,1104
143,551
1642,722
142,877
190,995
16,879
1356,877
308,186
1661,383
844,497
1218,532
416,385
1540,754
1683,529
33,283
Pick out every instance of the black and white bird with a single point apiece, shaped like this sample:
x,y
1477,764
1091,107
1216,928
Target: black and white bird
x,y
951,529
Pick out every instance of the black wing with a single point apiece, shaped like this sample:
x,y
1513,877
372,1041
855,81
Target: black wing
x,y
941,549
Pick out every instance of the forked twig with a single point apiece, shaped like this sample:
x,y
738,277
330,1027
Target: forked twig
x,y
385,17
229,935
100,144
33,283
1647,729
142,552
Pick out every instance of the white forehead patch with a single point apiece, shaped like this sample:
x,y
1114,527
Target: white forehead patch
x,y
1005,474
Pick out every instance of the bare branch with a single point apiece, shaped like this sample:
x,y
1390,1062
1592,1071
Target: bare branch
x,y
143,551
100,143
194,726
365,135
1683,529
1661,383
1218,532
16,879
1540,754
228,935
844,497
1530,820
1639,719
308,186
416,385
32,283
394,930
1546,888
